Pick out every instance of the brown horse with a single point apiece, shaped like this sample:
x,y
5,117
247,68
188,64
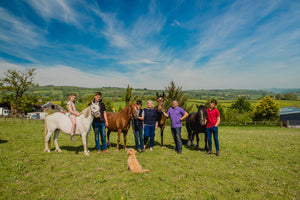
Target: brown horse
x,y
120,122
161,118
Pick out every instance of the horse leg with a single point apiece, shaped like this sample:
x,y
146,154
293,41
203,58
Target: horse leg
x,y
56,133
125,138
205,140
47,139
107,141
189,142
162,137
84,141
118,141
197,137
193,136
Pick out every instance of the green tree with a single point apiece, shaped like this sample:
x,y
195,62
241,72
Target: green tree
x,y
289,96
128,95
15,84
176,93
109,105
221,111
120,108
266,109
241,105
278,97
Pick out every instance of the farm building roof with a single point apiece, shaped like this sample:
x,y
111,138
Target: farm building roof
x,y
288,110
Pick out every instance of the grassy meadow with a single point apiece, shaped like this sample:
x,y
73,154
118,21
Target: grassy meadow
x,y
255,163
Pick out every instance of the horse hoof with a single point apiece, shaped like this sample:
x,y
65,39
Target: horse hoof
x,y
47,150
117,149
86,153
125,149
58,150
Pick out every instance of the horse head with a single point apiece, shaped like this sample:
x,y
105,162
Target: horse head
x,y
201,113
95,109
160,102
133,109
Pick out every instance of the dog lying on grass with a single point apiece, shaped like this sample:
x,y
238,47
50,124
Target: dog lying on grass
x,y
132,163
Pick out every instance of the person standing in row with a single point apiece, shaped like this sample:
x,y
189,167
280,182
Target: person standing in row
x,y
73,113
176,114
213,121
100,123
149,116
138,129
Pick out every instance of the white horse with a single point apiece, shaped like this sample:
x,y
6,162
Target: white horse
x,y
60,122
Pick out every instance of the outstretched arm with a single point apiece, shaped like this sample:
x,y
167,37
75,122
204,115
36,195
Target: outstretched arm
x,y
165,114
185,115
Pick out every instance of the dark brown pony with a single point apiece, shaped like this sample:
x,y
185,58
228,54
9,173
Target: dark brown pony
x,y
120,122
161,118
195,124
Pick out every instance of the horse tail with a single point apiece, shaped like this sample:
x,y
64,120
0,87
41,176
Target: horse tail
x,y
46,132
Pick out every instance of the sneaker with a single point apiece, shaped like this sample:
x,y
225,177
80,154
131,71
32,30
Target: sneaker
x,y
72,138
151,149
209,152
139,150
106,151
218,153
179,152
98,152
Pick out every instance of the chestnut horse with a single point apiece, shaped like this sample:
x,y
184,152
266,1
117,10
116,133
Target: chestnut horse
x,y
161,118
195,124
120,122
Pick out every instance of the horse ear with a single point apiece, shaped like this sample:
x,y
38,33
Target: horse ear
x,y
163,94
197,106
157,94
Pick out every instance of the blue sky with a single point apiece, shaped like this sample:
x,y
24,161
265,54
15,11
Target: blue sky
x,y
199,44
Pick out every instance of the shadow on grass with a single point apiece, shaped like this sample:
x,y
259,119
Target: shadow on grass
x,y
121,146
3,141
74,148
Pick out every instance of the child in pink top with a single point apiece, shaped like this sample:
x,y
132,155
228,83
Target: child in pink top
x,y
73,113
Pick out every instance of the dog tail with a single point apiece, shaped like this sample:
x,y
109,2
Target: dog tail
x,y
145,170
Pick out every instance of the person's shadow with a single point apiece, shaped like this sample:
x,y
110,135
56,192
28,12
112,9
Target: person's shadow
x,y
3,141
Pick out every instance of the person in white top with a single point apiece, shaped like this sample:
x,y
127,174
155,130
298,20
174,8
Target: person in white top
x,y
73,113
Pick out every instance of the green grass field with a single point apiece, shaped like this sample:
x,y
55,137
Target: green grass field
x,y
255,163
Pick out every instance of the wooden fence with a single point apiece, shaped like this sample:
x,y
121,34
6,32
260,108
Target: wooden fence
x,y
19,120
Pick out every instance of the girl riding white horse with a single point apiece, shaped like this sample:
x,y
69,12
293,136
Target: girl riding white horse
x,y
60,122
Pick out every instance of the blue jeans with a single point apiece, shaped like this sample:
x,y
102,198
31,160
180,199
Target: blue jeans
x,y
209,131
99,127
149,131
176,133
138,137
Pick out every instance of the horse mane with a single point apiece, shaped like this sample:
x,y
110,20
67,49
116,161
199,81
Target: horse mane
x,y
86,112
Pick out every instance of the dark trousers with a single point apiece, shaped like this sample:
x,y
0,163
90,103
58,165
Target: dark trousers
x,y
212,130
138,137
99,127
176,133
149,131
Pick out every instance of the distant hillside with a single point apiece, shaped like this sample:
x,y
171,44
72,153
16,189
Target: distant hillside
x,y
115,93
285,90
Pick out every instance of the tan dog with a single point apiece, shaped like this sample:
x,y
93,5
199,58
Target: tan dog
x,y
132,163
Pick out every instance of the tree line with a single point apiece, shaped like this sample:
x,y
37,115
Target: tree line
x,y
15,84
